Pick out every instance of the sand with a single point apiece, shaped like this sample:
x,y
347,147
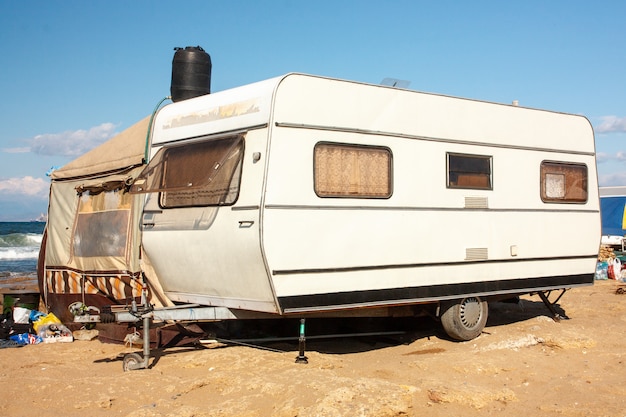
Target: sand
x,y
523,364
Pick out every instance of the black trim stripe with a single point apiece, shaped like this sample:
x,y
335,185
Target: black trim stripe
x,y
407,295
425,265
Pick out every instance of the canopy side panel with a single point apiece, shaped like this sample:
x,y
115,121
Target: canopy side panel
x,y
613,216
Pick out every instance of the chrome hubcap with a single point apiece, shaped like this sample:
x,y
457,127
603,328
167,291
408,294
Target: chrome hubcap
x,y
470,312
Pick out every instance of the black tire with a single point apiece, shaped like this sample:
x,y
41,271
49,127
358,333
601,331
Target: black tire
x,y
464,319
131,361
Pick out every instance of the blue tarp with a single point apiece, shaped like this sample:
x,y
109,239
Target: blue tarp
x,y
613,216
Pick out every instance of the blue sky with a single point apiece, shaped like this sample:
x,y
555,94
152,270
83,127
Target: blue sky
x,y
75,73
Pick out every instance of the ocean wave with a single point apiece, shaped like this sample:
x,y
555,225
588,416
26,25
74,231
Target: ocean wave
x,y
20,240
21,273
19,246
8,254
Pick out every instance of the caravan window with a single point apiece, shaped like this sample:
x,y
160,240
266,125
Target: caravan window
x,y
563,182
469,171
102,223
352,171
203,173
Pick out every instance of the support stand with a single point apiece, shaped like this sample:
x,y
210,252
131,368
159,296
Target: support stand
x,y
301,344
133,361
555,315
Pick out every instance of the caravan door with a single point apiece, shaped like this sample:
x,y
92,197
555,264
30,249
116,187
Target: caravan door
x,y
201,221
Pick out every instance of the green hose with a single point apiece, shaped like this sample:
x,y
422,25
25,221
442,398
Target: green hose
x,y
146,152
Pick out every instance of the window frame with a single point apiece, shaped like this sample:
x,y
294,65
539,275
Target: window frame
x,y
565,199
390,182
95,220
153,178
450,185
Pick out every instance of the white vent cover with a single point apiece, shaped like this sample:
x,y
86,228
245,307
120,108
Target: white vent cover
x,y
476,254
476,202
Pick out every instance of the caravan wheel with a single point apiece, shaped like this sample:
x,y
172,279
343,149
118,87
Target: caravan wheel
x,y
464,319
132,361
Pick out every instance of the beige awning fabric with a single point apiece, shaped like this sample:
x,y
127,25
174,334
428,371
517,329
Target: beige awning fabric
x,y
63,221
116,155
93,242
109,168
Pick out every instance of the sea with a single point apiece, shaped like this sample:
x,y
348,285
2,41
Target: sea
x,y
19,247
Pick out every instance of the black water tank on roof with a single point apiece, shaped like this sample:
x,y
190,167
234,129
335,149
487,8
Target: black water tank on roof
x,y
191,73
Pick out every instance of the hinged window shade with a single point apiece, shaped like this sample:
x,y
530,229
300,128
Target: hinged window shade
x,y
203,173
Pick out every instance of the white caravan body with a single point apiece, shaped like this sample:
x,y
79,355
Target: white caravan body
x,y
304,194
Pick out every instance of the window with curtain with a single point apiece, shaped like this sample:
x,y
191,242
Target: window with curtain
x,y
563,182
355,171
469,171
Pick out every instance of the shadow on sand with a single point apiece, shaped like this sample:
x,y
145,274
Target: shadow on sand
x,y
341,336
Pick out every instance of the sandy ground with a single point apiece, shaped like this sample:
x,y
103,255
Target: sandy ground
x,y
523,364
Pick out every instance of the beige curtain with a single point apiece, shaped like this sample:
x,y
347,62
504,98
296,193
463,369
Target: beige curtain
x,y
563,182
352,171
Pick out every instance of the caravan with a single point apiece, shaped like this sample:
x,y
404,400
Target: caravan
x,y
305,196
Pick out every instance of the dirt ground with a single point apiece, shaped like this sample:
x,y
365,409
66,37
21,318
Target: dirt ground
x,y
523,364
